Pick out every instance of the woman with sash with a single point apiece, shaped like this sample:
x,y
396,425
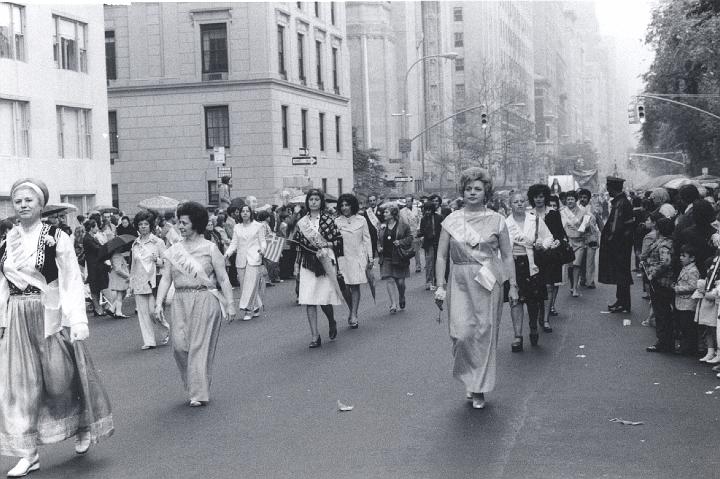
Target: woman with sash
x,y
248,241
146,263
49,390
476,240
195,267
357,248
318,244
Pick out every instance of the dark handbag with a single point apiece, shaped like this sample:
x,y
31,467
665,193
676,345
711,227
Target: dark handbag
x,y
563,254
405,252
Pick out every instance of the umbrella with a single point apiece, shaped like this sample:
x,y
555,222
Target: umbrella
x,y
678,182
371,282
659,181
702,178
159,203
238,202
106,209
300,199
54,208
118,244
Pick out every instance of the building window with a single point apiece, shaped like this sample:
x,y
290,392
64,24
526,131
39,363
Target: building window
x,y
321,126
303,128
12,31
458,14
115,195
337,134
213,42
324,185
340,190
460,93
70,44
81,202
281,51
299,5
336,87
14,128
459,39
111,71
460,64
213,196
113,134
284,112
318,64
74,127
301,58
217,127
317,9
332,13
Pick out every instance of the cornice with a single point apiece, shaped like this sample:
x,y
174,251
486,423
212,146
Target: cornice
x,y
221,84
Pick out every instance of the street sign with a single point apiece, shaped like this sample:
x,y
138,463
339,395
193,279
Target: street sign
x,y
403,179
405,145
304,160
219,154
224,171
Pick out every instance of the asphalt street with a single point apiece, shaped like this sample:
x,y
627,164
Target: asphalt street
x,y
274,406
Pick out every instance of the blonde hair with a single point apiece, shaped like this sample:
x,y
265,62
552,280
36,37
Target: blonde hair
x,y
473,174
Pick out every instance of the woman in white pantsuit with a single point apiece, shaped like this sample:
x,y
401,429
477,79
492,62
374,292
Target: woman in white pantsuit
x,y
249,242
146,261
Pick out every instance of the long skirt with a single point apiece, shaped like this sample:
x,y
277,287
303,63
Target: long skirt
x,y
194,329
474,322
249,279
49,390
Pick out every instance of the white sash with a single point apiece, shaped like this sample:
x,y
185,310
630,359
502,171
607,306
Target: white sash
x,y
184,262
466,235
372,217
307,228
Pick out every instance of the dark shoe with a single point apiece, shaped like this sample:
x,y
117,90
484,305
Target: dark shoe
x,y
402,303
553,312
534,336
517,344
591,286
333,329
657,348
316,343
546,327
353,324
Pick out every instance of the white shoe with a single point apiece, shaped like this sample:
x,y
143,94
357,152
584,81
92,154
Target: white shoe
x,y
256,313
710,354
478,401
25,466
715,360
82,443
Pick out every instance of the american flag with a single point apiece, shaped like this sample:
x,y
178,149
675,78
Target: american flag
x,y
274,249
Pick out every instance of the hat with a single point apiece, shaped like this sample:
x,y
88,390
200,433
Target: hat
x,y
614,182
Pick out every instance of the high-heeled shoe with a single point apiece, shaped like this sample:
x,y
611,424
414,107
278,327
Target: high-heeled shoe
x,y
517,344
478,401
316,343
82,443
332,330
534,336
352,323
546,327
553,311
402,303
25,466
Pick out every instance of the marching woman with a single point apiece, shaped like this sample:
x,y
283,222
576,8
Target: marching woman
x,y
318,244
476,240
97,271
357,246
49,390
146,263
248,241
394,234
195,266
526,232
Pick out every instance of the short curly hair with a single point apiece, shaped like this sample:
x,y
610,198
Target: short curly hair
x,y
197,214
350,200
537,190
143,216
473,174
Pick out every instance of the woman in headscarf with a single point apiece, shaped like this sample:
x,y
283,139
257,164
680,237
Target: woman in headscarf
x,y
49,390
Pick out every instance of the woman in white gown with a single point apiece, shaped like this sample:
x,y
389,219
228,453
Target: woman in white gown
x,y
49,390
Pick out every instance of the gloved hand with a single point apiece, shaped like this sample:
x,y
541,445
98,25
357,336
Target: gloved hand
x,y
79,332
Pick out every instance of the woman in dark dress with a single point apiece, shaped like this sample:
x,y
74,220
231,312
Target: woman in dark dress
x,y
392,235
97,270
540,199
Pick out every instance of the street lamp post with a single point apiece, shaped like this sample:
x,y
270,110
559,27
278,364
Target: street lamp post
x,y
404,143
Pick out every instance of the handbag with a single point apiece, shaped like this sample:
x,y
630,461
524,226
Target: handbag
x,y
563,254
406,252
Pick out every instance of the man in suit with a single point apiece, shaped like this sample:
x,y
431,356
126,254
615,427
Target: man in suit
x,y
429,231
373,220
616,246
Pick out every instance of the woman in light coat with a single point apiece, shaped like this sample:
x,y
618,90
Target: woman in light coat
x,y
358,251
249,242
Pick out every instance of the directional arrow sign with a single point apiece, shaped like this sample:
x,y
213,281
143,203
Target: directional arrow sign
x,y
403,179
304,160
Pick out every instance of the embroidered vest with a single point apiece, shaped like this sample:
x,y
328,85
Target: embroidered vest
x,y
45,258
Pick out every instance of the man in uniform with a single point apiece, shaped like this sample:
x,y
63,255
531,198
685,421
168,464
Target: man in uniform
x,y
616,246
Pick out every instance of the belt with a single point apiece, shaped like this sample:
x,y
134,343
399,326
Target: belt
x,y
29,291
191,288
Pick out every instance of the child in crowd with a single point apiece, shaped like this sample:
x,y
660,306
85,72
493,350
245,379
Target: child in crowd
x,y
707,311
685,304
659,271
648,240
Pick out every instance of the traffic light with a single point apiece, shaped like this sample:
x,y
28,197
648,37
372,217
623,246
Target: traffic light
x,y
483,120
641,112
